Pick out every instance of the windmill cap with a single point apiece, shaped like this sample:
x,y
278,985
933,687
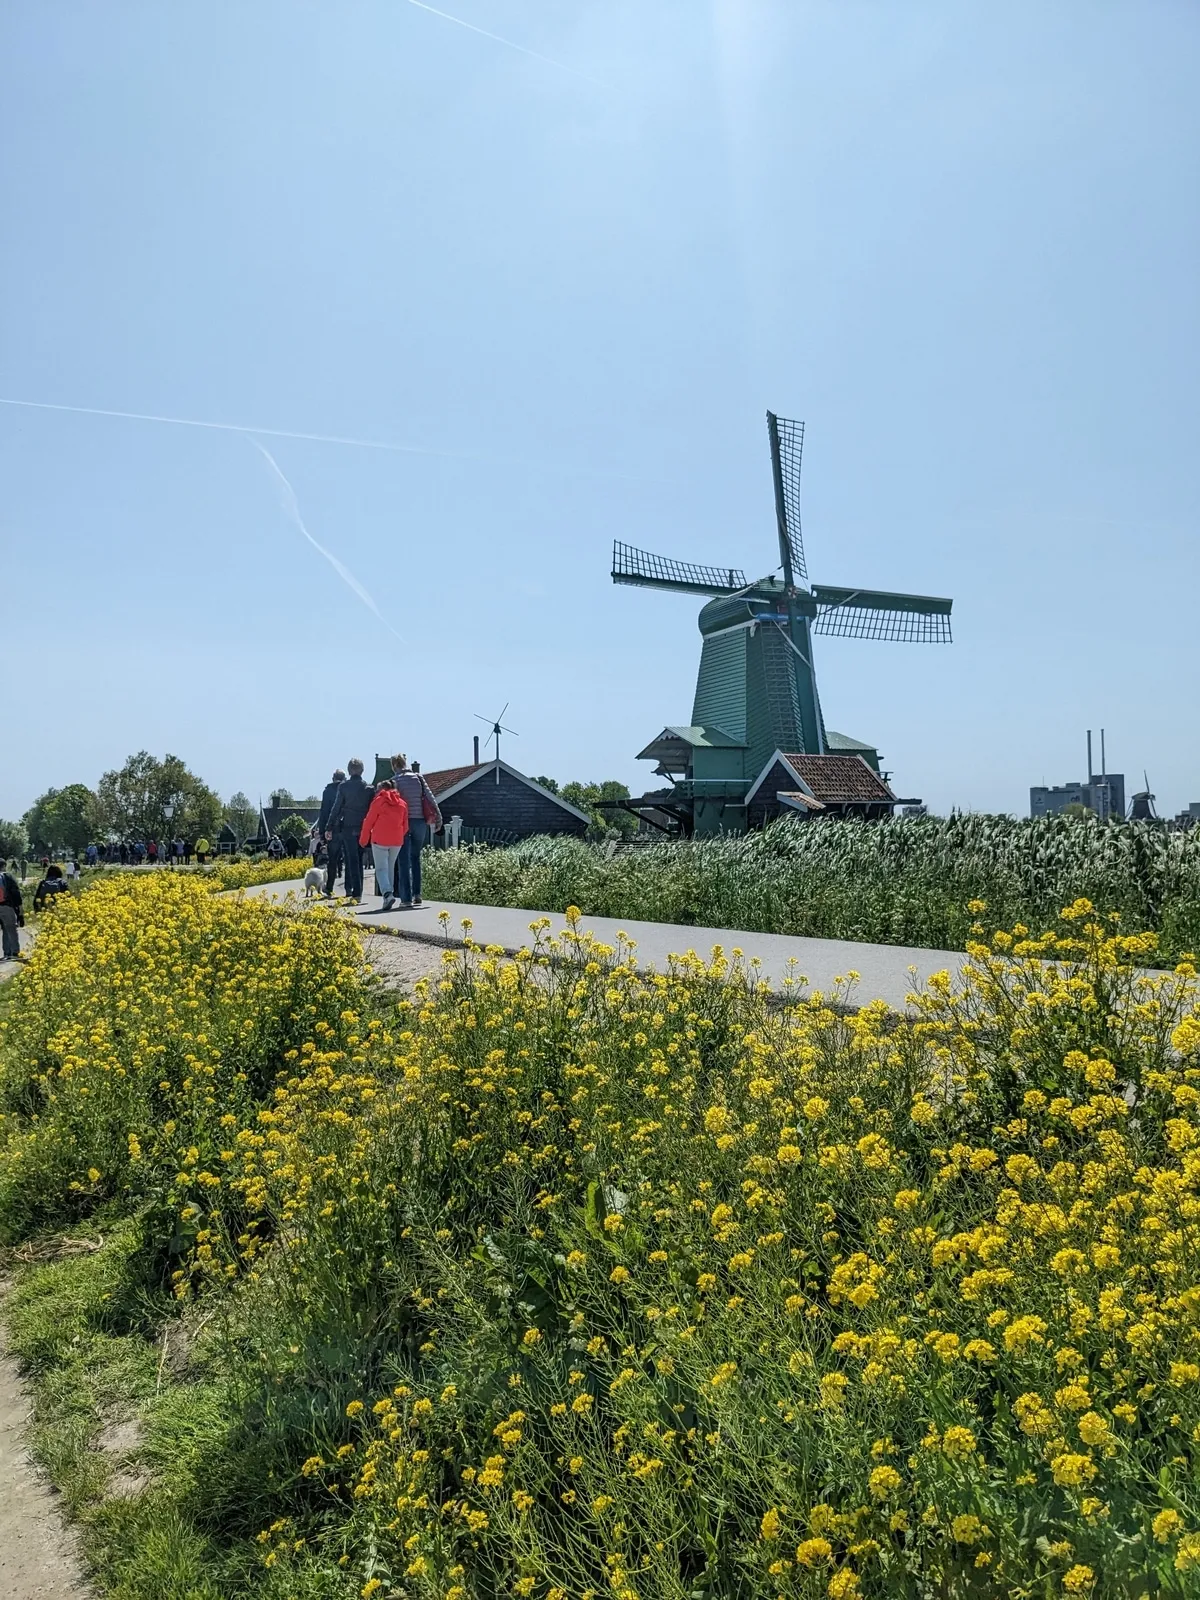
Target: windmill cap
x,y
726,611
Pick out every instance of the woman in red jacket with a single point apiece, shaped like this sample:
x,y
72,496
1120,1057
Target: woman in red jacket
x,y
385,828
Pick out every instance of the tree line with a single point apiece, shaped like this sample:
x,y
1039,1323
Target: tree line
x,y
146,798
131,802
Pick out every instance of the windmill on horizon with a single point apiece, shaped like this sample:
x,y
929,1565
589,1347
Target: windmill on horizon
x,y
756,690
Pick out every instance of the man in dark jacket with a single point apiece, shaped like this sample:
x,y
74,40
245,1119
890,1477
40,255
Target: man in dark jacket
x,y
12,916
346,817
333,864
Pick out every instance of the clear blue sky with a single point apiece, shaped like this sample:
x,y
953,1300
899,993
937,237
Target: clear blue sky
x,y
960,240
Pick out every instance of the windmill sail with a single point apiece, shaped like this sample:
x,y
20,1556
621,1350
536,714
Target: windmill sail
x,y
876,614
787,448
660,572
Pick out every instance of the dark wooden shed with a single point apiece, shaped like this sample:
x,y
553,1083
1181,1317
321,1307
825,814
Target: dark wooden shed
x,y
499,805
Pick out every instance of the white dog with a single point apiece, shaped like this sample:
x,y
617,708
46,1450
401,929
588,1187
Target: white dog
x,y
314,882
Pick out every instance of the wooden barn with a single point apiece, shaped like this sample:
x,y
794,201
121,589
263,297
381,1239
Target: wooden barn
x,y
270,818
818,786
499,805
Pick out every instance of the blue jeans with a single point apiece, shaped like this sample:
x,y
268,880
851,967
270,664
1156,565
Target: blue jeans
x,y
387,863
408,873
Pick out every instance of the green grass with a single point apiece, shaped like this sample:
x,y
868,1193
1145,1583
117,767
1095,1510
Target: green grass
x,y
86,1329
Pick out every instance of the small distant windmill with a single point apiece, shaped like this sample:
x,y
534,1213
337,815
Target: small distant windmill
x,y
1142,809
498,728
756,690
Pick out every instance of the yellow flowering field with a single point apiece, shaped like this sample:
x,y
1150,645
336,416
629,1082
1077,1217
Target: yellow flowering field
x,y
227,874
558,1279
148,1010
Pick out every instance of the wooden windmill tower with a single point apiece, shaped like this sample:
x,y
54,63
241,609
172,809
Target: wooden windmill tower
x,y
756,691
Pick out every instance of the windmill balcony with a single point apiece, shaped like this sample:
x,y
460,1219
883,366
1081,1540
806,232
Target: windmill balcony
x,y
711,788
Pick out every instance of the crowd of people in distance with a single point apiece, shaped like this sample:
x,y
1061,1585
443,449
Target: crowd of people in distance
x,y
148,853
393,818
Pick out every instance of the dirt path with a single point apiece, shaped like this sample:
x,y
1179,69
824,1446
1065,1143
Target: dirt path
x,y
38,1555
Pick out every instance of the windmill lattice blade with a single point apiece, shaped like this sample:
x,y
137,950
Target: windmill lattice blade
x,y
876,614
787,450
660,572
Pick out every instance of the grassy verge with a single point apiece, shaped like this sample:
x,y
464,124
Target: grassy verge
x,y
567,1281
112,1436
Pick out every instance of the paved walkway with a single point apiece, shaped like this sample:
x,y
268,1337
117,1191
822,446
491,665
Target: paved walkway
x,y
9,969
885,971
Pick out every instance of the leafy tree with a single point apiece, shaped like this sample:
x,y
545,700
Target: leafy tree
x,y
62,818
14,841
131,800
604,823
548,783
282,797
241,816
294,827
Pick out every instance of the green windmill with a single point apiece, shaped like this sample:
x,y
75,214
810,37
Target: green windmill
x,y
756,691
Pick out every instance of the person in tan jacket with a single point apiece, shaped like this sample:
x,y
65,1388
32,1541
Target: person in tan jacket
x,y
424,818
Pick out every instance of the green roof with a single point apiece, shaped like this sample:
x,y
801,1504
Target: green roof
x,y
672,742
843,741
708,738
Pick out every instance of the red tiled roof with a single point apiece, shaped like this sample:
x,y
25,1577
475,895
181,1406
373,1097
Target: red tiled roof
x,y
807,801
439,782
838,779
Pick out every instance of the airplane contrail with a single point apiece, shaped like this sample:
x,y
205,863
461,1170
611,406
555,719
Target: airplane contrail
x,y
234,427
560,468
511,43
292,506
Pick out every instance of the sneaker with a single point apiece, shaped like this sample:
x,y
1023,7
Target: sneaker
x,y
406,905
389,900
417,901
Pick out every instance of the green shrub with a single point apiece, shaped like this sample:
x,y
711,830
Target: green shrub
x,y
902,882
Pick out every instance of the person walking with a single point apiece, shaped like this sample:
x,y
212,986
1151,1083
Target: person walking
x,y
424,817
12,915
385,829
52,885
333,860
346,817
203,850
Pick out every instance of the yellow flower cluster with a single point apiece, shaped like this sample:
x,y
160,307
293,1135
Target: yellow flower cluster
x,y
145,1027
632,1284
